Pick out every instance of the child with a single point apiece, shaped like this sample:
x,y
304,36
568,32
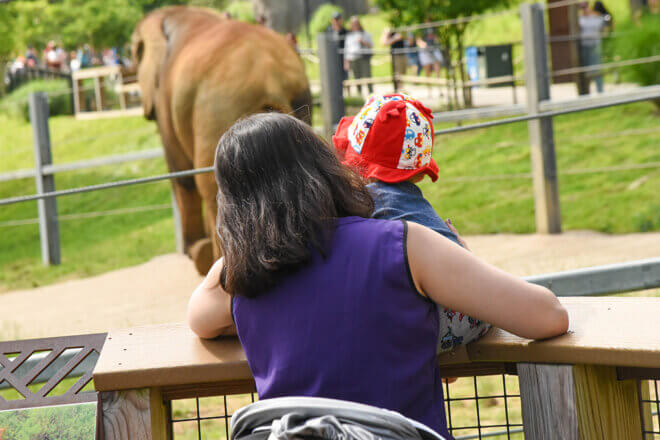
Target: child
x,y
390,143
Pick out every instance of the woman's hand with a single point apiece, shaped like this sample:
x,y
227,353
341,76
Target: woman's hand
x,y
209,308
453,277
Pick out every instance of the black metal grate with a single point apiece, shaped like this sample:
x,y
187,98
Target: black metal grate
x,y
204,418
650,407
476,407
481,407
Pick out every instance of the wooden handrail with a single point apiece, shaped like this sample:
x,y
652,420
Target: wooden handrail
x,y
618,332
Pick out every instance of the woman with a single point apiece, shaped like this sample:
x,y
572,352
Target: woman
x,y
328,302
357,59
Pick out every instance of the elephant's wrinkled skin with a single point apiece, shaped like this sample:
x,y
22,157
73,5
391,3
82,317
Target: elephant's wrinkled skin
x,y
198,74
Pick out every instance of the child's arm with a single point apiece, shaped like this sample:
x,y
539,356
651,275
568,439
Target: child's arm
x,y
455,278
209,308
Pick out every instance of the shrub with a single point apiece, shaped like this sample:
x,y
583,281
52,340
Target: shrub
x,y
321,18
242,10
638,39
15,104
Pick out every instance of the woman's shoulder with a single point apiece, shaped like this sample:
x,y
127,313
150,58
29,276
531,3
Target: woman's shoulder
x,y
359,228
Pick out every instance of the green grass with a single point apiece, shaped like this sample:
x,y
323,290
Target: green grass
x,y
608,202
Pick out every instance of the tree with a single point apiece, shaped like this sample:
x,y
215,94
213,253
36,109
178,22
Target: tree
x,y
406,12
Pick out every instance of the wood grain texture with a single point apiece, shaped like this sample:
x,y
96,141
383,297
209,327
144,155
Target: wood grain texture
x,y
593,337
548,401
607,408
126,415
645,408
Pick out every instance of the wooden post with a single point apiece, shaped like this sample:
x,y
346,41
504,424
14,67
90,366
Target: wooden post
x,y
48,226
332,98
134,415
578,402
98,93
548,401
544,168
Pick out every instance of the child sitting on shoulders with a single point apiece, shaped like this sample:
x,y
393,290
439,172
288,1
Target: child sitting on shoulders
x,y
390,143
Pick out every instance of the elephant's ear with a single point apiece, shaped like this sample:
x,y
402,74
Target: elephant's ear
x,y
149,49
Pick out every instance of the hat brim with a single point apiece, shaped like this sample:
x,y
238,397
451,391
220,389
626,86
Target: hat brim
x,y
370,170
340,138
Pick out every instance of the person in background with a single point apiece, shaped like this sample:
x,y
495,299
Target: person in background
x,y
18,64
397,45
84,56
51,56
591,24
339,32
31,59
356,57
413,54
430,57
226,15
261,20
607,17
74,63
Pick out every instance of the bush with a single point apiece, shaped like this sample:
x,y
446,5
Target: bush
x,y
638,40
321,18
16,104
242,10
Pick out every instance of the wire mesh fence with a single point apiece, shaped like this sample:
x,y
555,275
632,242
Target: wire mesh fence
x,y
477,407
650,409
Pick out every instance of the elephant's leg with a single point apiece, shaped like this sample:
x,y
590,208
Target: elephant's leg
x,y
190,209
185,189
208,189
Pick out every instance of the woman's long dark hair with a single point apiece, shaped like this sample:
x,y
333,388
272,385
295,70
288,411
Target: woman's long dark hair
x,y
280,186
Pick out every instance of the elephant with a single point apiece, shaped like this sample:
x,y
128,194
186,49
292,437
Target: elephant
x,y
198,73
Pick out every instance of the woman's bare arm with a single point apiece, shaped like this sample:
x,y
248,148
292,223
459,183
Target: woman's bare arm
x,y
209,308
455,278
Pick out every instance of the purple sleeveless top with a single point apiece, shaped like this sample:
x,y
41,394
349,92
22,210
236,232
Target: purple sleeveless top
x,y
351,326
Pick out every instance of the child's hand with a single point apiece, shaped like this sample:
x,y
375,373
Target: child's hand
x,y
458,236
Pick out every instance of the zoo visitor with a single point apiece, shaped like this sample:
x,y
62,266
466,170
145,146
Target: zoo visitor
x,y
328,302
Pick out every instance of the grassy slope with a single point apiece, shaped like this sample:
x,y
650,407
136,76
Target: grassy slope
x,y
601,202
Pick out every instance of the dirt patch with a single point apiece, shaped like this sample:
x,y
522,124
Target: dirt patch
x,y
158,291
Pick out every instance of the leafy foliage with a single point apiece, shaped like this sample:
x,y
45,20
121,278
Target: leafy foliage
x,y
242,10
638,39
71,422
321,18
15,104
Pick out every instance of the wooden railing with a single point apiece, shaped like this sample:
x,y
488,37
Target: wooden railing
x,y
584,384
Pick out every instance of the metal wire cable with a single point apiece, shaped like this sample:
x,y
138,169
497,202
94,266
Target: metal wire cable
x,y
109,185
85,215
542,115
605,66
193,172
577,171
452,21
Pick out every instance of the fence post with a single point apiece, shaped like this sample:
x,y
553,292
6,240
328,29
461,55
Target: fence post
x,y
541,136
48,227
332,95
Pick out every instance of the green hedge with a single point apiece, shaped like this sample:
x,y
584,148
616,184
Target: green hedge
x,y
637,39
242,10
321,18
15,104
